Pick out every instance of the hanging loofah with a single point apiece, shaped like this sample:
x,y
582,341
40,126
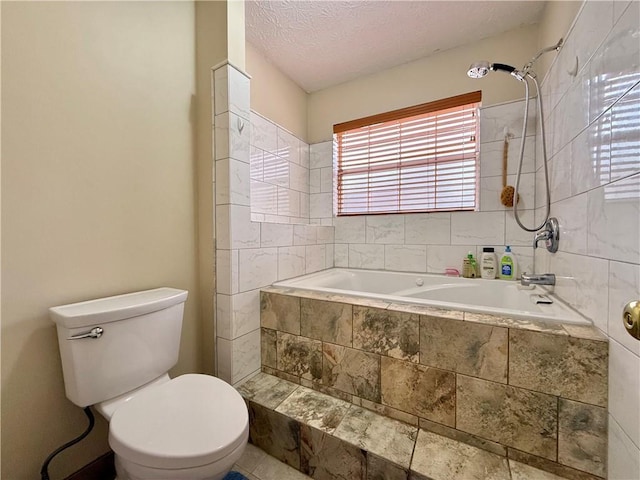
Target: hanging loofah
x,y
508,192
506,196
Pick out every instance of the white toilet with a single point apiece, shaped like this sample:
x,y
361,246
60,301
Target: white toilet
x,y
116,353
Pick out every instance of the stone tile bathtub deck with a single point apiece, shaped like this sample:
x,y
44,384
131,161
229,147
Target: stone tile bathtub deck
x,y
327,438
531,391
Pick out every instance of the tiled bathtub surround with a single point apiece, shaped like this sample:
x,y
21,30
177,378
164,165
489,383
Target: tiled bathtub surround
x,y
595,175
253,254
593,126
328,438
535,389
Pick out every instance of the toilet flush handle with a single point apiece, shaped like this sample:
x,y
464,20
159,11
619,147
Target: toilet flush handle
x,y
95,332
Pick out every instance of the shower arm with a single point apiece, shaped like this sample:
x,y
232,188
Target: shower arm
x,y
525,70
544,154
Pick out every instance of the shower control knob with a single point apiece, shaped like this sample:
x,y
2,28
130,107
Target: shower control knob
x,y
631,319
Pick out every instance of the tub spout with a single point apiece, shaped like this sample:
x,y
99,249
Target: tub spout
x,y
542,279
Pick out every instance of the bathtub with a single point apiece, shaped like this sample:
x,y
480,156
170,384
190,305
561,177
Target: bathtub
x,y
496,297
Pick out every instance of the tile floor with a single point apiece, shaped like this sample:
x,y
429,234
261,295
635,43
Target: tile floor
x,y
257,465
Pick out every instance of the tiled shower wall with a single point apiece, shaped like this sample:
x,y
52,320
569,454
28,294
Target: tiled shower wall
x,y
435,241
279,174
593,130
321,182
251,252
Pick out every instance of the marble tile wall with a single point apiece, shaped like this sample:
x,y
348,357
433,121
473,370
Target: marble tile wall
x,y
279,174
436,241
593,145
251,153
488,381
321,183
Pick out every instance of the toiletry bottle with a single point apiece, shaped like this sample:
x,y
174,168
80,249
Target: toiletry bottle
x,y
469,266
488,264
474,267
508,265
466,266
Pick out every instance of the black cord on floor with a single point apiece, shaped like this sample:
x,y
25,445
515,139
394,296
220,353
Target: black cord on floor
x,y
44,471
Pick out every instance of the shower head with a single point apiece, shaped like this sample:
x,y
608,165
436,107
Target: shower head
x,y
478,69
481,68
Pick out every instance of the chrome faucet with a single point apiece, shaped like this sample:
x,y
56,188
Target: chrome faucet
x,y
550,235
541,235
533,279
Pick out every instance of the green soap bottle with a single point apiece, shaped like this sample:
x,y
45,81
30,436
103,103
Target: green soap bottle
x,y
507,265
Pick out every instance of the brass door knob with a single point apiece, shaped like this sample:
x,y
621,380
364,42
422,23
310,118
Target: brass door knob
x,y
631,319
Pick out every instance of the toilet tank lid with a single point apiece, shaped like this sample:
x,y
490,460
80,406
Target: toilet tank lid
x,y
119,307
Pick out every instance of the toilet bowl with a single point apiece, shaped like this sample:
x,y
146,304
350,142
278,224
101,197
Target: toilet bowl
x,y
115,354
191,427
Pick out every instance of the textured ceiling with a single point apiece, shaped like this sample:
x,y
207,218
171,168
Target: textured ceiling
x,y
320,43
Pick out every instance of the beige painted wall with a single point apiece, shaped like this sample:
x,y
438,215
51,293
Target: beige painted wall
x,y
211,49
98,195
438,76
235,33
275,96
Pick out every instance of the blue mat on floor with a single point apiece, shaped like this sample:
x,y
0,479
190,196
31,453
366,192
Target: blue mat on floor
x,y
234,476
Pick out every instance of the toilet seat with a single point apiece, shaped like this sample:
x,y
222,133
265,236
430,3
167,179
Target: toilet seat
x,y
190,421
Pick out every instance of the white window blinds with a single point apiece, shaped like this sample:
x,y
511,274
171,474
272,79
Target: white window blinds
x,y
418,159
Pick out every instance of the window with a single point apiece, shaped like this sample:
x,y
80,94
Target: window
x,y
416,159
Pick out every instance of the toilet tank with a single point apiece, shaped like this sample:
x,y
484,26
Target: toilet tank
x,y
140,341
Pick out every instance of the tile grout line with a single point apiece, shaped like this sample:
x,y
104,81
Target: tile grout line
x,y
508,353
509,467
557,429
